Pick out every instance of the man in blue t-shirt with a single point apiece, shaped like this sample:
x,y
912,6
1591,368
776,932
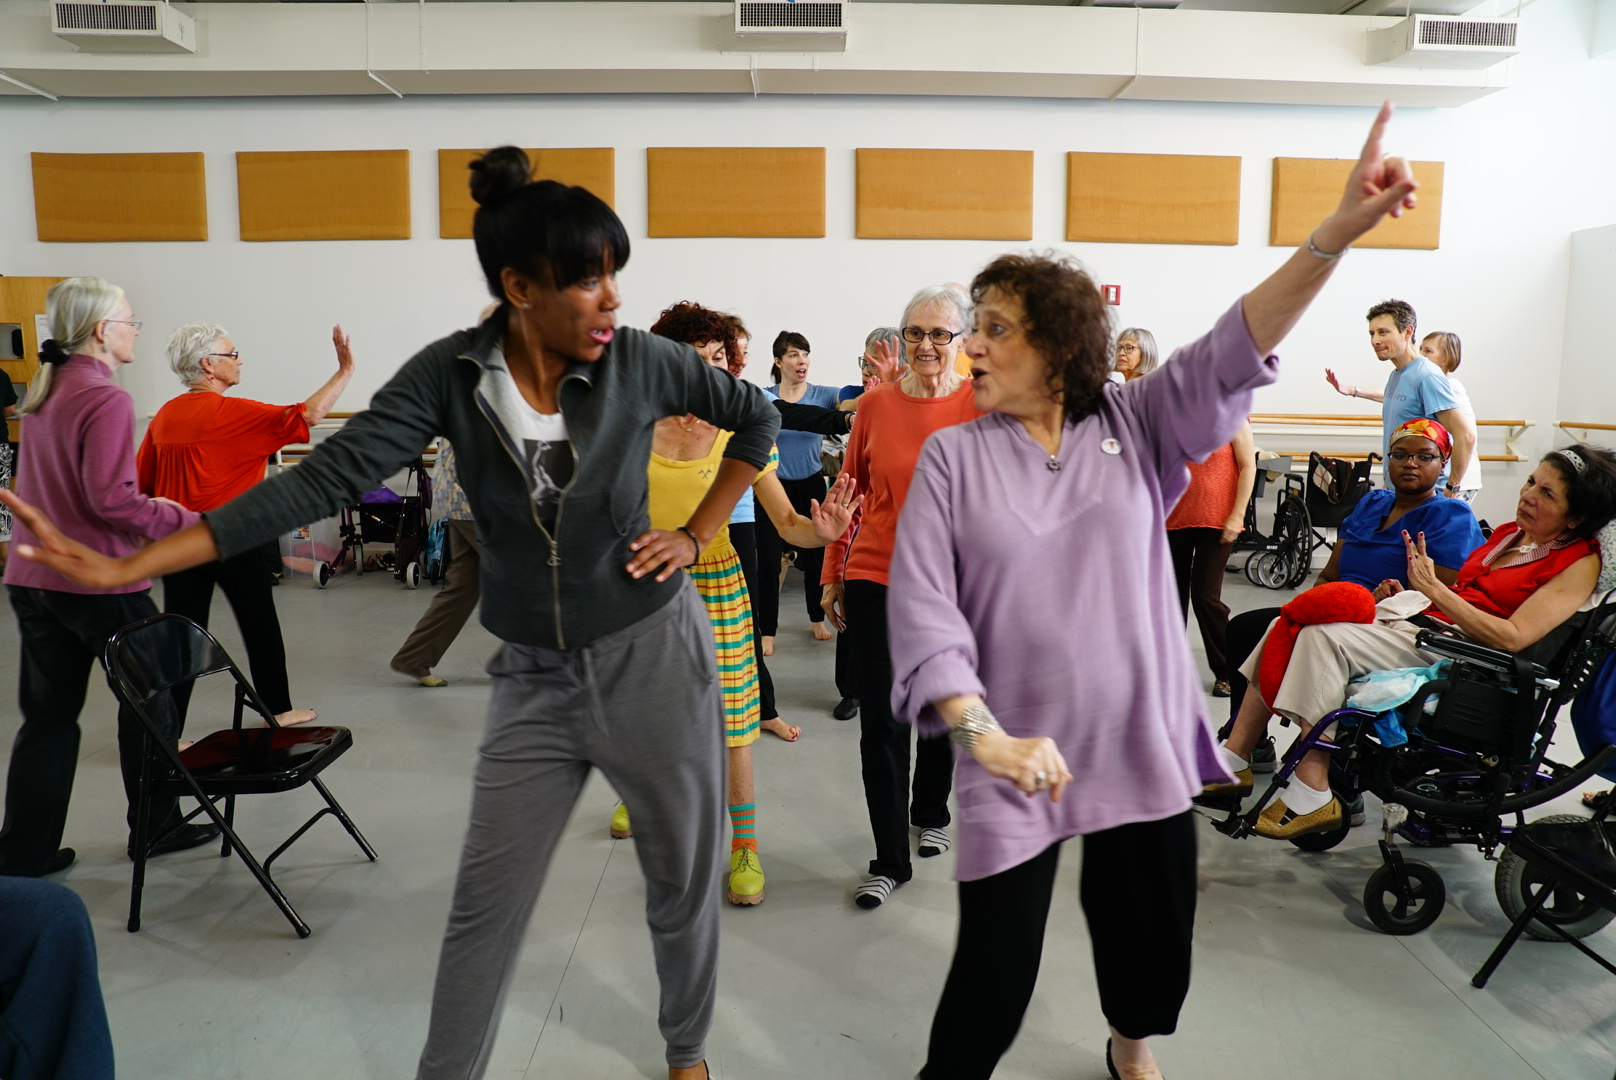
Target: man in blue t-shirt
x,y
1417,388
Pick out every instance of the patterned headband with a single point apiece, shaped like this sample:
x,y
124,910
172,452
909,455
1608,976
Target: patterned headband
x,y
1575,458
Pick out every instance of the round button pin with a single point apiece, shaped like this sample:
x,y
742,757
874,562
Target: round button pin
x,y
1110,446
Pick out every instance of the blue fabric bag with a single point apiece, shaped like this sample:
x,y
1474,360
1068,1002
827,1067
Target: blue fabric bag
x,y
1593,713
1383,692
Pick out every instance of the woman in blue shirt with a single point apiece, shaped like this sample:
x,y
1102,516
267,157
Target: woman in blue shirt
x,y
803,477
1369,544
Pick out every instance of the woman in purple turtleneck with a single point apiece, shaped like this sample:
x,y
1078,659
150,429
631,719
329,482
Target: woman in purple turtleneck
x,y
78,464
1079,652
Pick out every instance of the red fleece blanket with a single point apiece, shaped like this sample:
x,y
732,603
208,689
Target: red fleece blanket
x,y
1332,602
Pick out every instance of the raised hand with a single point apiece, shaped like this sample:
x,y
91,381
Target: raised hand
x,y
1421,567
887,358
344,347
1379,185
832,517
1329,377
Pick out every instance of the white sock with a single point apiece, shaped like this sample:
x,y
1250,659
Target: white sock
x,y
1233,761
1302,800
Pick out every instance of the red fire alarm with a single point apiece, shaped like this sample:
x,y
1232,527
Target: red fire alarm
x,y
1112,294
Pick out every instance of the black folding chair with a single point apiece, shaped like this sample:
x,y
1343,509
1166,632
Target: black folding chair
x,y
1565,857
144,661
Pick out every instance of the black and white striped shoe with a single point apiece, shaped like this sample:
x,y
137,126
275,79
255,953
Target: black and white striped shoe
x,y
933,842
874,892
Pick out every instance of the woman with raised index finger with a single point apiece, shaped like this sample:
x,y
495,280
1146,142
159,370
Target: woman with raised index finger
x,y
1061,492
607,655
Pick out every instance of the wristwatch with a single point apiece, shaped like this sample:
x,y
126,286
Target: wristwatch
x,y
976,722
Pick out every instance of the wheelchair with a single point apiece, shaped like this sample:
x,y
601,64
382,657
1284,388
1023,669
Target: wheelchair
x,y
1472,766
1322,500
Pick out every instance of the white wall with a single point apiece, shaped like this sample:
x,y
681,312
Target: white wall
x,y
1525,168
1588,372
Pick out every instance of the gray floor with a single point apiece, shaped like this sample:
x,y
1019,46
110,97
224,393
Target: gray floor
x,y
1289,982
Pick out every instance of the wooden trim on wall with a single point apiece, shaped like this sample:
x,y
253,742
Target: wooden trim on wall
x,y
1308,189
944,194
735,191
324,195
593,168
1152,198
112,198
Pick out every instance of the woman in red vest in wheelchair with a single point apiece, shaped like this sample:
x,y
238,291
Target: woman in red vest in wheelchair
x,y
1531,576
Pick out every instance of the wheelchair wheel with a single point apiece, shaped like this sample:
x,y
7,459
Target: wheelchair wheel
x,y
1515,882
1294,534
1398,913
1267,569
1324,841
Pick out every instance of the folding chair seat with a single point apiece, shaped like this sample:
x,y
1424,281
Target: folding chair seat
x,y
147,659
1578,856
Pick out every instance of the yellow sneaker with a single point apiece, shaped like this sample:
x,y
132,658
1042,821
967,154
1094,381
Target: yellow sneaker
x,y
745,877
621,830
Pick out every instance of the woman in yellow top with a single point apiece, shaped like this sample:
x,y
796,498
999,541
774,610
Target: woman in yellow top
x,y
685,454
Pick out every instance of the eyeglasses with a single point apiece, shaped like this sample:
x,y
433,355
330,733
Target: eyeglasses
x,y
236,355
1424,459
136,323
914,335
1127,348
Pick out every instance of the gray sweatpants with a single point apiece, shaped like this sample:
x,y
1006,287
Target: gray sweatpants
x,y
643,706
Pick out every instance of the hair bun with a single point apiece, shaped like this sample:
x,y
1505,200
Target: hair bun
x,y
498,173
51,352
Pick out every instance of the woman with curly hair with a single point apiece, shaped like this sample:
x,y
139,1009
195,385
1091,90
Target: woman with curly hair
x,y
685,451
1032,577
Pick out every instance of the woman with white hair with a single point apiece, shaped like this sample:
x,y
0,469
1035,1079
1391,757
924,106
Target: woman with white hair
x,y
1136,355
78,433
203,449
894,420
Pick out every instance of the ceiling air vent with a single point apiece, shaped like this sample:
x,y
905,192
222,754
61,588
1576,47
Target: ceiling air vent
x,y
1445,41
124,26
800,25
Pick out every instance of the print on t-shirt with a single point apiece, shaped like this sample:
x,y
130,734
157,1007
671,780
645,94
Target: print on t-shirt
x,y
548,466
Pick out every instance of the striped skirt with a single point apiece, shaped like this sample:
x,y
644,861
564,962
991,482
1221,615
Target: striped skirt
x,y
718,579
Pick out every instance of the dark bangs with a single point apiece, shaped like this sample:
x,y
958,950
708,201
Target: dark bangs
x,y
550,232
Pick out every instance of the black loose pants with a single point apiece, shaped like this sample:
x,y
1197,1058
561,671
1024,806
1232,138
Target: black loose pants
x,y
1138,892
246,582
884,743
62,637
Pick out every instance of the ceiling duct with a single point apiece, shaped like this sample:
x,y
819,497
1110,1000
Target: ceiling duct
x,y
123,26
794,25
1445,41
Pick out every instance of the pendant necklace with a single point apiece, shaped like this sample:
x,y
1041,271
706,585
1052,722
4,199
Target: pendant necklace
x,y
1053,464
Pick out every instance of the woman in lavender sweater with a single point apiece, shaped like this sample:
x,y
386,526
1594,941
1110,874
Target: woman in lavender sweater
x,y
78,465
1080,652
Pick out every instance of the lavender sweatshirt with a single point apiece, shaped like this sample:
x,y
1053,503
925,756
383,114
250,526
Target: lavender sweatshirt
x,y
1051,594
77,464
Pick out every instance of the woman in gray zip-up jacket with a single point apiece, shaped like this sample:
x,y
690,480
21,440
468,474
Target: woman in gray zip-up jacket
x,y
608,656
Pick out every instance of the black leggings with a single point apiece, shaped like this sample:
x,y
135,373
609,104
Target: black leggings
x,y
743,534
770,547
1138,892
246,582
1244,634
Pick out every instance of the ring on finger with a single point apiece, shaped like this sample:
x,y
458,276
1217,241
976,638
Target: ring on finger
x,y
1041,778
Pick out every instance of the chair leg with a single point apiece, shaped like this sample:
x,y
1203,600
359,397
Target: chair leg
x,y
138,885
1479,980
347,822
230,819
258,871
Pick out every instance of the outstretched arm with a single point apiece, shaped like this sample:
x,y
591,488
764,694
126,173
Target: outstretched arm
x,y
324,399
1464,445
1379,185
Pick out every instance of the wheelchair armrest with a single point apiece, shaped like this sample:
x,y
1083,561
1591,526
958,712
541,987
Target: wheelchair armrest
x,y
1455,648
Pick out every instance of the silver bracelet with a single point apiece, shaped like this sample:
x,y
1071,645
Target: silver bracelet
x,y
1330,256
975,723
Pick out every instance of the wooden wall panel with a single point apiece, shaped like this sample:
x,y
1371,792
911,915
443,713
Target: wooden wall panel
x,y
1307,189
592,168
736,191
945,194
1152,198
120,197
324,195
22,299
